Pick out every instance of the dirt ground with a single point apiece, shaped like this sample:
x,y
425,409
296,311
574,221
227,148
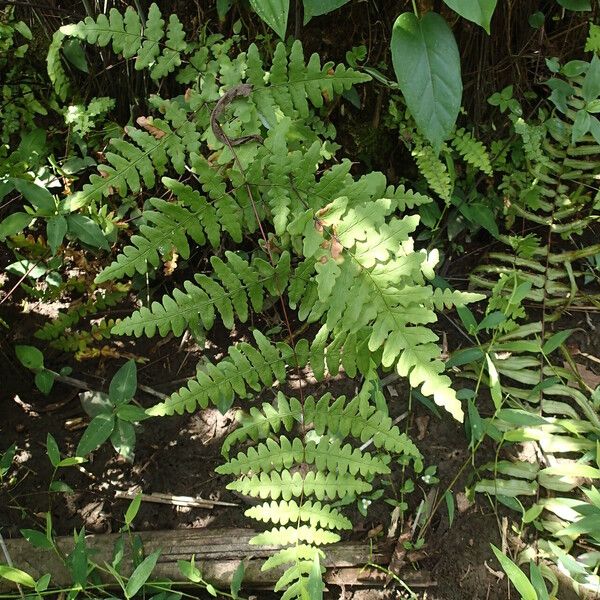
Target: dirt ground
x,y
178,455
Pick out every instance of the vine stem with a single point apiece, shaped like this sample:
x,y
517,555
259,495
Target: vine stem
x,y
415,9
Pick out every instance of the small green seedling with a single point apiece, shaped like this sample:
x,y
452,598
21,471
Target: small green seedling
x,y
113,415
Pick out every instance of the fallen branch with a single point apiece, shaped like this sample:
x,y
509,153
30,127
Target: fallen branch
x,y
159,498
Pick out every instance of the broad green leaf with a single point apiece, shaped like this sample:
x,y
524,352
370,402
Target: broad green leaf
x,y
274,13
427,66
475,423
507,487
591,84
132,509
14,224
464,357
23,29
131,413
189,570
17,576
56,230
86,230
96,403
556,340
74,54
77,561
43,582
44,380
516,576
30,357
478,11
124,383
97,432
576,5
237,579
492,320
52,450
314,8
61,487
123,439
37,539
141,574
39,197
581,126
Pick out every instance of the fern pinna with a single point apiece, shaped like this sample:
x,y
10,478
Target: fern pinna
x,y
298,477
223,168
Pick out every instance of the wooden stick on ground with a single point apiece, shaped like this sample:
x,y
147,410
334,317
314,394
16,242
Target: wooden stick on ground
x,y
159,498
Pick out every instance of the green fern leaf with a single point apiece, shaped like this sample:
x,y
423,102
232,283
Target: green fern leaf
x,y
284,536
473,151
314,513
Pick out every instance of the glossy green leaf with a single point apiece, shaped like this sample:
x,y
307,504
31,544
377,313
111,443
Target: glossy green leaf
x,y
61,487
141,574
189,570
131,413
478,11
17,576
576,5
75,54
450,505
556,340
123,439
516,576
97,432
427,66
314,8
274,13
39,197
30,357
56,230
71,461
124,383
237,579
52,450
13,224
44,380
77,561
96,403
37,539
86,230
591,84
132,509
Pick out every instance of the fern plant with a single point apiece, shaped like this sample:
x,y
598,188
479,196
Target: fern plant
x,y
243,154
298,477
548,183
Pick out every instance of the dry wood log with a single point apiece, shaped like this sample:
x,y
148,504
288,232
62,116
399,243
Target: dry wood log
x,y
218,553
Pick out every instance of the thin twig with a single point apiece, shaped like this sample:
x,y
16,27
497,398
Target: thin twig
x,y
9,562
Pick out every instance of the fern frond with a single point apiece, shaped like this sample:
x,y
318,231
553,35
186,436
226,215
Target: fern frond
x,y
234,286
314,513
98,301
434,170
472,151
284,536
245,368
125,32
286,485
139,161
292,82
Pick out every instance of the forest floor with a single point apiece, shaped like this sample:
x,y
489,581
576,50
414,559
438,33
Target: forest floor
x,y
178,456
